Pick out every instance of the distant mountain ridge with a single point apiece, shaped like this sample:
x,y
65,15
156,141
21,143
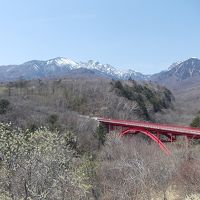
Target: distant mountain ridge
x,y
180,72
61,66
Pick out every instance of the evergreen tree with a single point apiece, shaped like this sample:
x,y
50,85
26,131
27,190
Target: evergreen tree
x,y
196,122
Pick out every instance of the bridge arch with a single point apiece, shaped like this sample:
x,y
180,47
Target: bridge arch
x,y
149,134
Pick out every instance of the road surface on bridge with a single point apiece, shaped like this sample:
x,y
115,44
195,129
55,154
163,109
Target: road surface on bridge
x,y
176,130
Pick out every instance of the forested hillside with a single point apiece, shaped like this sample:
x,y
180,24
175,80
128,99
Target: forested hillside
x,y
63,98
52,148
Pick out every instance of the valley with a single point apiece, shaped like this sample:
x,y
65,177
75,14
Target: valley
x,y
48,123
182,78
99,100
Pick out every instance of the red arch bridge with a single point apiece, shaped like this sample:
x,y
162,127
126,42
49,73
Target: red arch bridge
x,y
160,133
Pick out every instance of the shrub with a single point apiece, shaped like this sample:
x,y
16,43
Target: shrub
x,y
39,165
196,122
32,127
193,197
133,169
101,134
4,104
53,121
86,172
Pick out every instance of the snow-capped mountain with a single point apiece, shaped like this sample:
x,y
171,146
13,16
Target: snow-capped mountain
x,y
134,75
60,61
187,70
61,67
112,71
174,65
58,67
103,68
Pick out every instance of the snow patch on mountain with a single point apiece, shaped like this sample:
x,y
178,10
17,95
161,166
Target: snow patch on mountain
x,y
173,65
60,61
61,66
112,71
178,72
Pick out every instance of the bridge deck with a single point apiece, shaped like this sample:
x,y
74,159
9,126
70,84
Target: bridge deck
x,y
153,126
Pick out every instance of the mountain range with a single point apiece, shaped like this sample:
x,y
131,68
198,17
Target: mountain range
x,y
177,73
60,66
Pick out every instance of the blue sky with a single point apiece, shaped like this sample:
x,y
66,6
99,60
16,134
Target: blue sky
x,y
145,35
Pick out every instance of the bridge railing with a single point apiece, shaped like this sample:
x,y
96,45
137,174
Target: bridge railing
x,y
163,127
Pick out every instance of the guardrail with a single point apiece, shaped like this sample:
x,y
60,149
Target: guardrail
x,y
154,126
